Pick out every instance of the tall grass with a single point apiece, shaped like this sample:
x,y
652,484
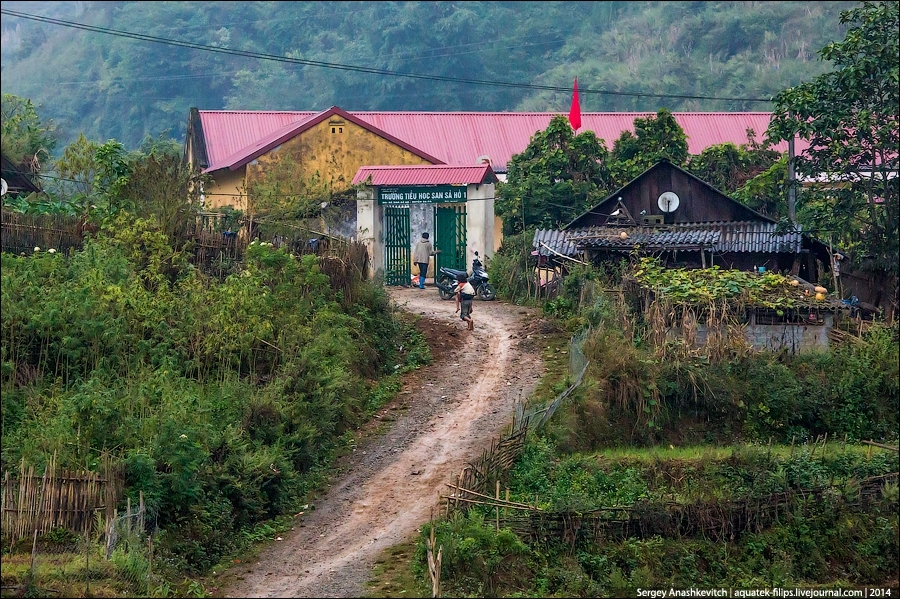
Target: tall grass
x,y
223,401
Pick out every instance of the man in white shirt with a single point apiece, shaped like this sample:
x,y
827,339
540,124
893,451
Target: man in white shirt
x,y
465,293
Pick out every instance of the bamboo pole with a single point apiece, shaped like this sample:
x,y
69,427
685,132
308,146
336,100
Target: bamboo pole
x,y
4,525
505,513
87,567
873,443
20,513
497,509
33,550
488,497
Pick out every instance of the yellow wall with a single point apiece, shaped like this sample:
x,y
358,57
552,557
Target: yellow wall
x,y
335,156
226,190
498,232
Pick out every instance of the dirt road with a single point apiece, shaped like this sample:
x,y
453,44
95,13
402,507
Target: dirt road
x,y
445,415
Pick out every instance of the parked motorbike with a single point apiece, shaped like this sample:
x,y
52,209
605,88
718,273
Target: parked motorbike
x,y
447,281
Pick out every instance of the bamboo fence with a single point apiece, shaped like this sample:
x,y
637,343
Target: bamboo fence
x,y
128,524
214,250
492,467
711,520
58,498
479,478
22,233
479,484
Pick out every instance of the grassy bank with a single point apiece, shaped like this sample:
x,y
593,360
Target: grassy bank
x,y
222,403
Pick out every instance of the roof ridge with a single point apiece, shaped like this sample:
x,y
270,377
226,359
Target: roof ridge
x,y
477,112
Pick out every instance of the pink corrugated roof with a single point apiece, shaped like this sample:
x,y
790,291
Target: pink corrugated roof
x,y
289,131
227,132
462,137
425,175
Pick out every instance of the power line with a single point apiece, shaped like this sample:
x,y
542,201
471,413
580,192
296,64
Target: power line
x,y
353,68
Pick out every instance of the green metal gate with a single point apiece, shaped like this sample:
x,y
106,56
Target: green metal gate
x,y
397,268
450,236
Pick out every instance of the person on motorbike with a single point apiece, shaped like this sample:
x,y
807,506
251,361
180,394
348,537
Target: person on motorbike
x,y
465,293
422,255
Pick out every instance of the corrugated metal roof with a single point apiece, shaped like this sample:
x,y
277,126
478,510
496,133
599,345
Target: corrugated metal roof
x,y
676,238
425,175
550,241
461,137
291,130
724,237
227,132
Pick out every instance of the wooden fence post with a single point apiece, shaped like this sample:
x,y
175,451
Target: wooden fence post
x,y
506,509
497,508
87,567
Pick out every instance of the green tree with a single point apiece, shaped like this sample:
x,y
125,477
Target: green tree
x,y
161,187
729,167
654,139
850,118
25,138
96,176
767,192
282,195
78,167
557,177
163,144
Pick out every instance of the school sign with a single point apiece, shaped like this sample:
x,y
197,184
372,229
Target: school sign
x,y
421,194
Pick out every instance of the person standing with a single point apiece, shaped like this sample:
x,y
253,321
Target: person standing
x,y
421,255
465,293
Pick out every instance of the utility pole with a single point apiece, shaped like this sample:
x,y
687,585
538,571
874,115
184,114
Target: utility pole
x,y
792,184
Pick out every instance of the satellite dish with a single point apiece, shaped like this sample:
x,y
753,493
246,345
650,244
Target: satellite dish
x,y
3,187
668,201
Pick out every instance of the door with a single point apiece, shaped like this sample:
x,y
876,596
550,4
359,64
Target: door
x,y
450,236
397,267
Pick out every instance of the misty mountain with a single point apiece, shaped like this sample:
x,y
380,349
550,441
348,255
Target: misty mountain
x,y
109,85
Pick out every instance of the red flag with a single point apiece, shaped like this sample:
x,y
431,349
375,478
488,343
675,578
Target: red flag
x,y
575,111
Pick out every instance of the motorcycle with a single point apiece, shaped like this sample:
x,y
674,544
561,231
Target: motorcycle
x,y
447,281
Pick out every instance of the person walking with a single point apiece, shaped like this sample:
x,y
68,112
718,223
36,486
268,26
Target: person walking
x,y
421,255
465,293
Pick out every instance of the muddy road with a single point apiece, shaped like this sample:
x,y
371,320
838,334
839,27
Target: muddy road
x,y
446,413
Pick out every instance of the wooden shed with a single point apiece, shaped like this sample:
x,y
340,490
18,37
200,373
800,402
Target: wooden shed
x,y
669,213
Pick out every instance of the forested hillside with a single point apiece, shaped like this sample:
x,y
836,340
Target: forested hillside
x,y
109,86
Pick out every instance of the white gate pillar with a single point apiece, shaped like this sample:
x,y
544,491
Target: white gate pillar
x,y
369,229
479,222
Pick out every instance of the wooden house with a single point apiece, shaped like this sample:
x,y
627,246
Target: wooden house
x,y
669,213
18,178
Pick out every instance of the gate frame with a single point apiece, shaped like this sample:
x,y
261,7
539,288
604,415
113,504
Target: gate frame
x,y
479,225
455,256
397,254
